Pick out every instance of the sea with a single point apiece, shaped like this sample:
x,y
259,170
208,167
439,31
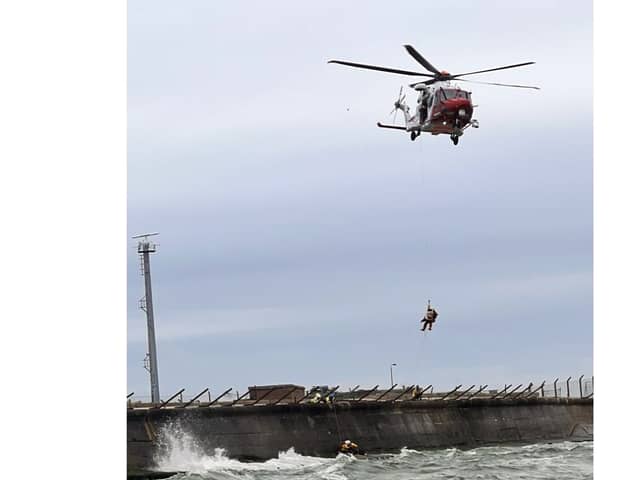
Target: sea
x,y
548,461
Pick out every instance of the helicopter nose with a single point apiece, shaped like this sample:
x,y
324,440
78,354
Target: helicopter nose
x,y
456,105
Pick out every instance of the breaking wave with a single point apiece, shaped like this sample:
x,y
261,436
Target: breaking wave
x,y
180,452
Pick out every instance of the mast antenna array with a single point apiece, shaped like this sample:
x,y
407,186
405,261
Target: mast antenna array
x,y
145,248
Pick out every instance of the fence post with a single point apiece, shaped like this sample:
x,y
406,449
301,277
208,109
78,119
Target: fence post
x,y
568,392
217,398
501,391
555,388
195,398
580,383
527,390
240,397
392,387
362,397
479,391
451,392
464,393
166,402
512,391
352,391
531,394
404,391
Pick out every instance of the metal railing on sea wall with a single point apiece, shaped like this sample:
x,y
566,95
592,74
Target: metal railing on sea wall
x,y
580,387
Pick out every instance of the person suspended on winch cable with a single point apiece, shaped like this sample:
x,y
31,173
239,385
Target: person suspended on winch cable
x,y
429,317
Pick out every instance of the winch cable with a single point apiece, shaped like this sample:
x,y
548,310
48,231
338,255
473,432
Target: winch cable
x,y
421,349
335,414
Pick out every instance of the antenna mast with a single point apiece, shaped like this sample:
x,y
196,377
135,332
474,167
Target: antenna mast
x,y
145,247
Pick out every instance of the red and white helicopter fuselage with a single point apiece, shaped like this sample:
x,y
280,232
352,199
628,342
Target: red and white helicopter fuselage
x,y
442,109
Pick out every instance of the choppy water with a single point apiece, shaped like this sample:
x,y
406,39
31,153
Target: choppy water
x,y
556,461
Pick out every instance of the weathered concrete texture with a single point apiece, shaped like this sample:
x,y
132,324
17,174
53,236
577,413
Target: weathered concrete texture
x,y
260,432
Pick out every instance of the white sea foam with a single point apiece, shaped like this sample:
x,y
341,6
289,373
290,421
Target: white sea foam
x,y
406,452
180,452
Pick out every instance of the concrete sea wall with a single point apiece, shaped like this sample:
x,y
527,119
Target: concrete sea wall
x,y
261,432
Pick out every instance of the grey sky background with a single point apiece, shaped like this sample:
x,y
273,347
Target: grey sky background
x,y
299,243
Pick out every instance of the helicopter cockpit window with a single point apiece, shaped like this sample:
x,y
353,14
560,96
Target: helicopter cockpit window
x,y
454,93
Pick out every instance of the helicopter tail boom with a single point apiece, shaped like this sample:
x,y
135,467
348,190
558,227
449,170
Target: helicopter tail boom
x,y
395,127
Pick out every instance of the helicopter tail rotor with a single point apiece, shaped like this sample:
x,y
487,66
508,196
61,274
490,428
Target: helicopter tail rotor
x,y
398,105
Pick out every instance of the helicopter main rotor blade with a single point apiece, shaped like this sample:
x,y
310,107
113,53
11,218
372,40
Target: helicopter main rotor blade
x,y
491,69
381,69
421,60
498,84
426,82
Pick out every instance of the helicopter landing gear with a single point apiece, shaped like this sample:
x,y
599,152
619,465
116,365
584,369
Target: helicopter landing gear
x,y
454,139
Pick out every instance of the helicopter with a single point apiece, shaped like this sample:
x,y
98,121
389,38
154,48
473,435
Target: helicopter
x,y
442,108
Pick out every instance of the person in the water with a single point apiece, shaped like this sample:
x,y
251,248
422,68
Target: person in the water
x,y
349,447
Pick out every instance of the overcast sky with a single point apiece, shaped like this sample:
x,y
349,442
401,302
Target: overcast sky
x,y
299,243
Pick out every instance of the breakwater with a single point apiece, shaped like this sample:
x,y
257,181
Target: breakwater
x,y
260,432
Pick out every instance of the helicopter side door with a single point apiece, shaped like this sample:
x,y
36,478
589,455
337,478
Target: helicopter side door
x,y
425,101
431,101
